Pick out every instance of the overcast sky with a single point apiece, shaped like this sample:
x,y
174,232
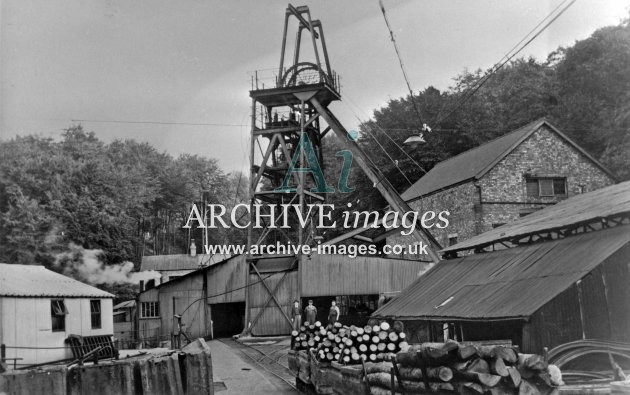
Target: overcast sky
x,y
189,61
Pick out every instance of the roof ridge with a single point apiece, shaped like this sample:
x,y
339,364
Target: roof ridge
x,y
539,120
473,163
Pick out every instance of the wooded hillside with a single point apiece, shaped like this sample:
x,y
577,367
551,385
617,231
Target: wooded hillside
x,y
583,89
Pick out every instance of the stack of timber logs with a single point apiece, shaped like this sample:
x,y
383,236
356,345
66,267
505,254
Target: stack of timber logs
x,y
463,368
309,336
350,345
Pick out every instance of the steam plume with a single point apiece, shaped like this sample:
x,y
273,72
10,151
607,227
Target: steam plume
x,y
86,265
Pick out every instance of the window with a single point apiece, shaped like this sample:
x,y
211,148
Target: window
x,y
546,187
95,313
149,310
58,313
559,186
452,239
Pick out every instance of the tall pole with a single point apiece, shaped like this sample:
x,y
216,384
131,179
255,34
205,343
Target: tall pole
x,y
301,174
252,199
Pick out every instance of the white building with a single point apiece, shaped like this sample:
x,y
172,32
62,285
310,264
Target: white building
x,y
39,309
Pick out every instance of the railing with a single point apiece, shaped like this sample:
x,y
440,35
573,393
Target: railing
x,y
4,359
304,73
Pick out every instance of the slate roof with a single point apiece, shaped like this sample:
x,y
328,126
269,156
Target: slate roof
x,y
476,162
38,282
585,208
510,283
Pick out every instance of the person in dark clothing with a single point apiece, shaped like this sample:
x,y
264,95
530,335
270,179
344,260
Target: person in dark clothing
x,y
296,316
310,313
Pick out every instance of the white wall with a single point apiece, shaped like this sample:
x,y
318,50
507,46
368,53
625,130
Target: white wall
x,y
26,322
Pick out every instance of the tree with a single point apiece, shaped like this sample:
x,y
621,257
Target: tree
x,y
583,89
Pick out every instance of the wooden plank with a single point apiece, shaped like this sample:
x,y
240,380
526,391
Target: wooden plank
x,y
272,296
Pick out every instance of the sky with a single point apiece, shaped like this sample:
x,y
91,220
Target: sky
x,y
191,61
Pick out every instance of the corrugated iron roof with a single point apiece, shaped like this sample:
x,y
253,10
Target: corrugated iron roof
x,y
586,207
203,269
476,162
37,281
125,305
179,261
510,283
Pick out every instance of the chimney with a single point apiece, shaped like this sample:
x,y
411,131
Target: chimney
x,y
193,248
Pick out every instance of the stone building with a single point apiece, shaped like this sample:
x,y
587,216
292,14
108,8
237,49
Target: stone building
x,y
523,171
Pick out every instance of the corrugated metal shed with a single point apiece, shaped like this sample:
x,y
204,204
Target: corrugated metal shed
x,y
476,162
510,283
326,275
38,282
179,261
590,206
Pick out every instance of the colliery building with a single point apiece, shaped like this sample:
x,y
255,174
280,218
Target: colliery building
x,y
557,275
516,175
220,299
498,182
169,267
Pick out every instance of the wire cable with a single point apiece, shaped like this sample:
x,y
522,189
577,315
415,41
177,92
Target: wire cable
x,y
156,122
350,105
500,65
400,148
394,162
402,66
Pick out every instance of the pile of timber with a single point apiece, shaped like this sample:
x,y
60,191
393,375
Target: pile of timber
x,y
350,345
463,368
310,335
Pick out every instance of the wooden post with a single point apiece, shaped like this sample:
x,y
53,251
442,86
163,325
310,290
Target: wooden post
x,y
398,376
578,286
365,378
392,381
206,310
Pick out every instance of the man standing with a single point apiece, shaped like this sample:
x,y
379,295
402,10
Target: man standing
x,y
296,316
311,313
381,301
333,313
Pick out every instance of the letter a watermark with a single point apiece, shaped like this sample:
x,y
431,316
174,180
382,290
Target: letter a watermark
x,y
314,168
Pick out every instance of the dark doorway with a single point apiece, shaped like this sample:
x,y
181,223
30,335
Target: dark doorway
x,y
322,303
227,319
354,309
